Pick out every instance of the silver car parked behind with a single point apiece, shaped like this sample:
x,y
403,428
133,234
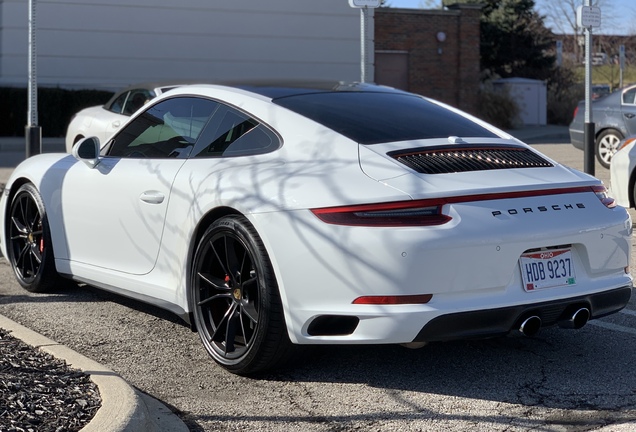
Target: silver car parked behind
x,y
614,118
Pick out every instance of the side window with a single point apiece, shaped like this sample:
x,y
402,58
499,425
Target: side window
x,y
136,100
167,129
118,104
628,96
232,133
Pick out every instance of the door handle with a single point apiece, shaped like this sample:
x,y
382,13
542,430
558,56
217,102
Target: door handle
x,y
116,124
630,115
152,197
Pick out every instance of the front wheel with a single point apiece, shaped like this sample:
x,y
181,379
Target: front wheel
x,y
236,304
606,145
29,243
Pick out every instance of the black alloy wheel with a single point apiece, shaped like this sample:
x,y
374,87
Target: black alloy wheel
x,y
29,241
236,303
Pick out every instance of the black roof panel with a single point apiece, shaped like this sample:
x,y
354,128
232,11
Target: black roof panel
x,y
374,114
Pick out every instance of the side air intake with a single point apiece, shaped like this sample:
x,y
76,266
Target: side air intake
x,y
453,159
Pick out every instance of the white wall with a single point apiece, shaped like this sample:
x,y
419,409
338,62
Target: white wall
x,y
113,43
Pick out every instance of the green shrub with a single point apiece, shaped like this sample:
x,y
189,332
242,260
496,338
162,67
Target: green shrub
x,y
56,106
496,106
564,94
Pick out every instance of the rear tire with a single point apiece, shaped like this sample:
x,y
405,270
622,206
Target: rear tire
x,y
236,303
29,243
606,145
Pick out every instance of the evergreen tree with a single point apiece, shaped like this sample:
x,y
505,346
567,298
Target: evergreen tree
x,y
514,39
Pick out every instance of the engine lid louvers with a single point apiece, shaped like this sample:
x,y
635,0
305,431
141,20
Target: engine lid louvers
x,y
464,158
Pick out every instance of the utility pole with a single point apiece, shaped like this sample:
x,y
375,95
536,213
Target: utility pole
x,y
621,57
587,17
32,132
364,6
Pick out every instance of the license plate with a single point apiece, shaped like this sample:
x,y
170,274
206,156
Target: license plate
x,y
547,269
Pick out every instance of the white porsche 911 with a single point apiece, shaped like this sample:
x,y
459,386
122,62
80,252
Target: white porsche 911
x,y
270,216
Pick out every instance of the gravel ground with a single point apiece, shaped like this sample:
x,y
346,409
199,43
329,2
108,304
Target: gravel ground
x,y
41,393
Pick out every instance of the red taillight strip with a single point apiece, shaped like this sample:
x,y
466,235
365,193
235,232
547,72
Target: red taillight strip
x,y
423,213
519,194
394,300
349,215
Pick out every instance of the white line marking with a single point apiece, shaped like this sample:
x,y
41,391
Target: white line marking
x,y
610,326
628,312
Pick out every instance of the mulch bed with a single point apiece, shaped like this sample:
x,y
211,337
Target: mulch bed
x,y
41,393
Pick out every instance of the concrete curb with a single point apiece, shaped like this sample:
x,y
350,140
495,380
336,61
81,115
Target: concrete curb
x,y
123,408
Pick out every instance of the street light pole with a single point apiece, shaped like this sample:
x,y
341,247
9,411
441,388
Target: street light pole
x,y
587,17
32,132
588,131
363,44
364,6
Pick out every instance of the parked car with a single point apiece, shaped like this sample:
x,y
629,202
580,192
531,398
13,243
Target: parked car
x,y
614,118
102,121
623,173
275,216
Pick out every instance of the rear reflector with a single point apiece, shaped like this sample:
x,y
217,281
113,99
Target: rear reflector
x,y
394,300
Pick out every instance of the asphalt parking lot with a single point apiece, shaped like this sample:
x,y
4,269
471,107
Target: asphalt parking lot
x,y
561,380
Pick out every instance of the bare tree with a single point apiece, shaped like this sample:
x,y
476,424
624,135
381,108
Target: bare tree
x,y
561,17
422,4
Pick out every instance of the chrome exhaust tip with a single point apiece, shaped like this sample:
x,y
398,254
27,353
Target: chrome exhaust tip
x,y
577,320
530,326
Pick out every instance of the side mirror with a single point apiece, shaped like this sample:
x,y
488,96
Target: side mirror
x,y
87,151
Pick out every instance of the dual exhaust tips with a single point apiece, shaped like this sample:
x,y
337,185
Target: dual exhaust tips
x,y
531,325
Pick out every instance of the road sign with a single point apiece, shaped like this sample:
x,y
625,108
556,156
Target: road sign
x,y
588,16
365,3
621,55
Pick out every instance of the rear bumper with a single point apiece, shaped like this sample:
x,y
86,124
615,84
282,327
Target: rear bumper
x,y
469,264
501,321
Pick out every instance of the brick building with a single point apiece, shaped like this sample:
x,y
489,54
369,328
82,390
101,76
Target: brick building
x,y
431,52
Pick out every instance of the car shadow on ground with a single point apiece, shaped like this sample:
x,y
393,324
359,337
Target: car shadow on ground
x,y
563,369
559,379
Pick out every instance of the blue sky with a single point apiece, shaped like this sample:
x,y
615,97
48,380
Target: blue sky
x,y
620,13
